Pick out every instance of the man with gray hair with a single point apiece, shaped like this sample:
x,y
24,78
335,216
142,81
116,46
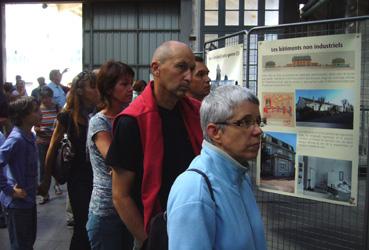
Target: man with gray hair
x,y
59,96
225,212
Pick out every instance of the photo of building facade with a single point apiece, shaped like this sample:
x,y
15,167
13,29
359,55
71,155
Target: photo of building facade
x,y
278,158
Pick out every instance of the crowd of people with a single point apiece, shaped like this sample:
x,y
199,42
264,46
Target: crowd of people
x,y
133,143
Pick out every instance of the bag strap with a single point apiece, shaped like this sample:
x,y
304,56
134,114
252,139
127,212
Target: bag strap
x,y
206,180
69,124
207,184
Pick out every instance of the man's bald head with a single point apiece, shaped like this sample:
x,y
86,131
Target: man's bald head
x,y
172,65
167,49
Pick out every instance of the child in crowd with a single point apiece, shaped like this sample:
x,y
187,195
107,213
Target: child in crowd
x,y
44,131
18,165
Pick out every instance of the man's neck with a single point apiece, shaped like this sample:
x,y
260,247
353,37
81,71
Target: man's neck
x,y
164,99
199,98
57,84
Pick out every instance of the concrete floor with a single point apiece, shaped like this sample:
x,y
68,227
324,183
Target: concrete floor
x,y
52,232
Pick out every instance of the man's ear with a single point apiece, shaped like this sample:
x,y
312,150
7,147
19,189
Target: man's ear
x,y
155,68
214,133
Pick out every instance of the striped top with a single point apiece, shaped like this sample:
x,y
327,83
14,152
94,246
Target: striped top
x,y
47,124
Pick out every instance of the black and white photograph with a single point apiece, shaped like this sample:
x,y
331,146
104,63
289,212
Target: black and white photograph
x,y
325,178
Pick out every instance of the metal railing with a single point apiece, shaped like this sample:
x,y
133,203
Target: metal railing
x,y
292,222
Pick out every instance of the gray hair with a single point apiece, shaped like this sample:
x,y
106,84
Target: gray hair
x,y
53,74
219,105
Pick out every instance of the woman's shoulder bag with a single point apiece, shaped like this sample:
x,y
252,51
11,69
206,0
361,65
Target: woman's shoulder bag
x,y
64,156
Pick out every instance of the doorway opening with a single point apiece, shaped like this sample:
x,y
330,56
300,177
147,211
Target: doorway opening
x,y
41,37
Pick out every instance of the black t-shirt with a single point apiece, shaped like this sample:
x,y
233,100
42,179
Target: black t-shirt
x,y
126,150
81,166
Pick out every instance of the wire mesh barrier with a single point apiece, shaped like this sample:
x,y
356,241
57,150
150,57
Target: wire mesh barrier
x,y
293,222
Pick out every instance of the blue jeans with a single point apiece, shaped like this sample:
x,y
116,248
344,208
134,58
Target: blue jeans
x,y
22,227
108,232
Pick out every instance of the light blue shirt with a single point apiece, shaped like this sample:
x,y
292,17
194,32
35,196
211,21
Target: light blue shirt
x,y
18,165
232,222
58,94
2,138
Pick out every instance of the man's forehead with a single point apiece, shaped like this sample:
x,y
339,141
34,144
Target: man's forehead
x,y
185,59
201,66
183,54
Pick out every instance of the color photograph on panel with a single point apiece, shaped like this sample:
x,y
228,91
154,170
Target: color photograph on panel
x,y
278,151
278,108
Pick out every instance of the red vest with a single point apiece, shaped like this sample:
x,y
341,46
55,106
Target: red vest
x,y
145,110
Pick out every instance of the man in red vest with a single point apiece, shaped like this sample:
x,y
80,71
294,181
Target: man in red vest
x,y
155,139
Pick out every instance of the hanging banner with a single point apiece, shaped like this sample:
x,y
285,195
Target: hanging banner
x,y
309,91
225,65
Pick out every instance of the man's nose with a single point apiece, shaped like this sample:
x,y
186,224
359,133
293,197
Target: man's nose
x,y
188,75
208,80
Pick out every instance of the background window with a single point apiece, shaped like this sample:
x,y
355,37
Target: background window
x,y
251,4
232,4
211,4
250,18
271,17
209,37
272,4
211,18
231,18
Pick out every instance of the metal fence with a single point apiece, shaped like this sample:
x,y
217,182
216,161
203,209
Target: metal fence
x,y
296,223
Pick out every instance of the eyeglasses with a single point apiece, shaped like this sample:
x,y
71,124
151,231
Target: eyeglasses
x,y
246,122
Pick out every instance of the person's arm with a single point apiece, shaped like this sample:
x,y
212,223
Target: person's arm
x,y
8,151
50,158
19,193
37,129
5,151
125,205
102,141
190,213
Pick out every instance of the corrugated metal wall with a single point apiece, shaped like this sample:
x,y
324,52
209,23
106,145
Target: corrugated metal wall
x,y
128,32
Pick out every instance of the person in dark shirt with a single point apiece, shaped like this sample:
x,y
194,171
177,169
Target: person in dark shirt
x,y
155,139
73,120
36,91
